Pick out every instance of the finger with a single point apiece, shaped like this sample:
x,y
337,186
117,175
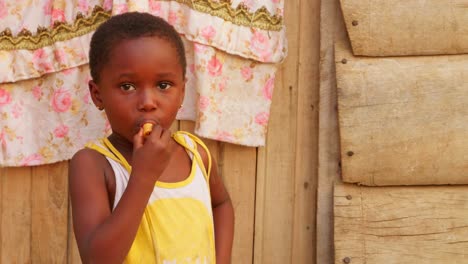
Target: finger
x,y
157,132
138,139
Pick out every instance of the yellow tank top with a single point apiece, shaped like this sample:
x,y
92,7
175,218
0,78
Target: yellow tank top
x,y
177,225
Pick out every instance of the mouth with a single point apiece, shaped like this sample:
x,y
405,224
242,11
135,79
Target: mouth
x,y
147,121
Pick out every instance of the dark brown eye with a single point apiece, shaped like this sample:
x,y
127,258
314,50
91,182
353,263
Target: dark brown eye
x,y
164,85
127,87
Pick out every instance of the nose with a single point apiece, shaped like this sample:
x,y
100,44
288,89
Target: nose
x,y
147,100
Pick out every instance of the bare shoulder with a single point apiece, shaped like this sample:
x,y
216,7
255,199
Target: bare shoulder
x,y
86,160
85,155
87,170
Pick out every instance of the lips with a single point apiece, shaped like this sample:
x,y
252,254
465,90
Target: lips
x,y
141,122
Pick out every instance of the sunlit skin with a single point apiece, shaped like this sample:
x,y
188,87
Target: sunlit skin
x,y
142,83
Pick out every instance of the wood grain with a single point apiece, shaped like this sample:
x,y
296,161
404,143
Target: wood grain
x,y
16,215
403,120
331,29
401,224
306,156
411,27
274,209
238,169
49,230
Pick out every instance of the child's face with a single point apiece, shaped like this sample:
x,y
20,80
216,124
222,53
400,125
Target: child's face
x,y
142,82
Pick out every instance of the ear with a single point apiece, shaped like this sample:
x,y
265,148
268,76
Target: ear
x,y
95,94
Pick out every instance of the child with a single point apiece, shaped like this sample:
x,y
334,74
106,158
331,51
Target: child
x,y
137,198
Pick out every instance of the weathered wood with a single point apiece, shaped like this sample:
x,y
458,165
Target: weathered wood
x,y
274,209
403,120
15,226
411,27
306,156
238,169
401,224
49,196
331,28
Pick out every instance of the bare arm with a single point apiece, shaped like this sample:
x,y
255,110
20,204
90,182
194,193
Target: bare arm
x,y
223,213
104,236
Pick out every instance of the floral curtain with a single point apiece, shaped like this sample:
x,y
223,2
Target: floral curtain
x,y
45,110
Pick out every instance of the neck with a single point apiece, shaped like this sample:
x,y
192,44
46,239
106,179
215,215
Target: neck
x,y
124,146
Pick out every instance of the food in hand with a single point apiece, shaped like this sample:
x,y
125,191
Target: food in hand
x,y
147,128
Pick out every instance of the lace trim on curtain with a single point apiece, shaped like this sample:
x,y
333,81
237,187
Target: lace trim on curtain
x,y
82,25
59,32
240,16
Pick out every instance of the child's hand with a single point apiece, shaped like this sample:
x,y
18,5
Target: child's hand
x,y
151,154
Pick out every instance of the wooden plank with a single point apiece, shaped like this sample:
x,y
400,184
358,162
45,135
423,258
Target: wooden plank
x,y
49,224
412,27
274,208
306,161
401,224
403,120
331,28
260,201
238,169
15,227
349,241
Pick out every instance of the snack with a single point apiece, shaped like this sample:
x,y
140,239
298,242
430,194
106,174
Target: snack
x,y
147,128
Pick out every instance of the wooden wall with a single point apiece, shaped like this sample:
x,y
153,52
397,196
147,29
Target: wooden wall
x,y
273,188
402,125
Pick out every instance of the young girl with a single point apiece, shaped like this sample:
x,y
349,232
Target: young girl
x,y
141,198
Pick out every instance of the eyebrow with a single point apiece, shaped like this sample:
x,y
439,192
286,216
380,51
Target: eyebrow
x,y
159,75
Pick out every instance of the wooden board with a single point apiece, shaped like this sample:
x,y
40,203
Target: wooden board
x,y
238,169
403,225
274,205
410,27
49,222
403,121
15,228
287,165
331,28
307,129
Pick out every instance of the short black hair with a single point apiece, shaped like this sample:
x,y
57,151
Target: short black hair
x,y
127,26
